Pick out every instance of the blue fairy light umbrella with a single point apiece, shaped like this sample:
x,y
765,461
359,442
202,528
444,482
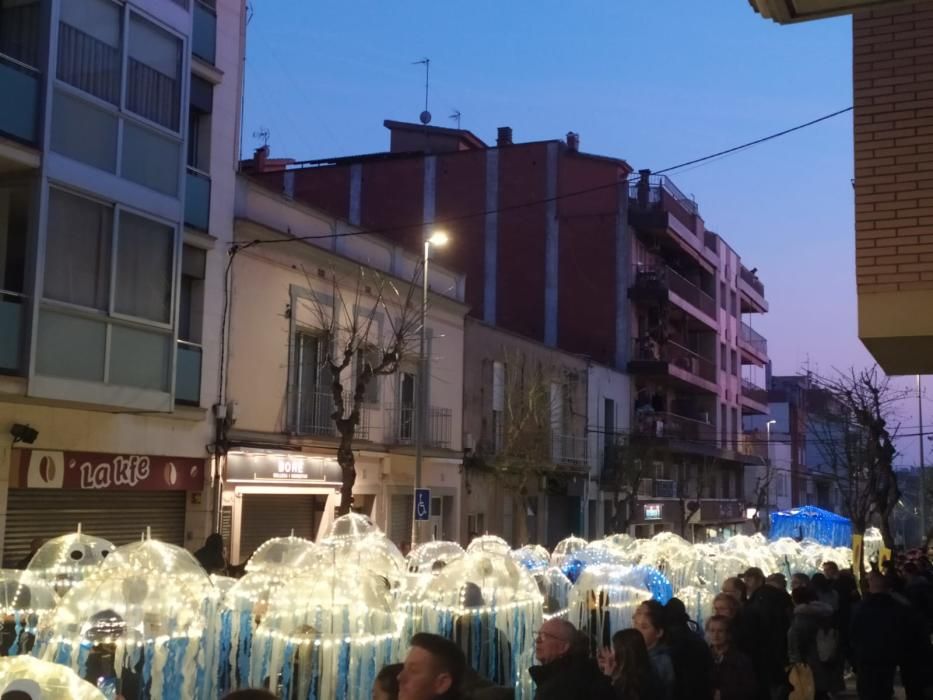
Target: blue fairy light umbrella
x,y
24,603
491,607
565,550
63,561
533,557
809,522
326,634
43,680
555,587
144,615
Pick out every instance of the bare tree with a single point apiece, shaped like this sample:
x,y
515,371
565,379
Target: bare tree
x,y
851,428
762,491
352,333
626,464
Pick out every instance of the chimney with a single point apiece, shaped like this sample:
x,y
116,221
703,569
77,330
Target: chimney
x,y
573,141
260,158
504,136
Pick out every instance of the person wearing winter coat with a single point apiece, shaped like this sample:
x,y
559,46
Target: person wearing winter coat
x,y
772,610
649,619
733,676
693,662
812,640
563,671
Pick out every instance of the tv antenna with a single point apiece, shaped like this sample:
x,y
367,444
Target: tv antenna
x,y
426,62
263,135
456,117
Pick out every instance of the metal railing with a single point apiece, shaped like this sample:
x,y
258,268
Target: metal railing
x,y
204,32
751,280
753,339
197,199
666,277
400,428
677,355
12,326
664,488
188,373
671,425
314,414
19,108
568,449
754,392
709,240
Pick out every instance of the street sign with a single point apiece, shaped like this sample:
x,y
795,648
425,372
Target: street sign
x,y
422,504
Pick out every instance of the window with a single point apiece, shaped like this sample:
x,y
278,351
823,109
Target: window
x,y
84,132
90,47
735,429
153,80
609,428
364,356
313,399
722,295
723,358
191,294
150,159
19,30
498,405
406,391
735,362
723,420
199,124
144,268
725,480
733,304
14,229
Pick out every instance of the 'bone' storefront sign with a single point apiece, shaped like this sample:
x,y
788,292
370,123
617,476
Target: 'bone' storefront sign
x,y
95,471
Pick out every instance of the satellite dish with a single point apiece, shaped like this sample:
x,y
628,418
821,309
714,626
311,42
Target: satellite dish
x,y
425,117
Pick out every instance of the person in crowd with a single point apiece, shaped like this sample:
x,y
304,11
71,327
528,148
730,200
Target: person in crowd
x,y
434,669
250,694
211,556
627,664
843,582
742,631
693,662
919,592
565,669
778,581
34,545
736,587
812,640
733,676
825,593
772,609
649,620
799,580
386,685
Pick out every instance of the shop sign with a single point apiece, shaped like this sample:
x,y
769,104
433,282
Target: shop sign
x,y
653,511
282,468
94,471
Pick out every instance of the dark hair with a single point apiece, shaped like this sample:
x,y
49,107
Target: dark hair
x,y
675,613
654,611
214,542
802,596
447,655
739,585
911,569
250,694
633,666
819,583
387,679
722,619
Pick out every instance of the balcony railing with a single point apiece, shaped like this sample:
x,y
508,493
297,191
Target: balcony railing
x,y
751,280
671,425
754,444
663,276
314,414
676,355
400,427
204,32
188,373
19,108
752,338
754,392
12,325
665,488
660,192
568,449
197,199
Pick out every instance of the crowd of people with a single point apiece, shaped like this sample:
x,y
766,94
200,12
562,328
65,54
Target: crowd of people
x,y
761,643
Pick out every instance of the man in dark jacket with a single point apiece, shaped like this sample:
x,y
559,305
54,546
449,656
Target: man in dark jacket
x,y
772,609
434,669
565,671
690,655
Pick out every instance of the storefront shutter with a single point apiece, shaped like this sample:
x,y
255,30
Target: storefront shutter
x,y
119,516
265,516
400,518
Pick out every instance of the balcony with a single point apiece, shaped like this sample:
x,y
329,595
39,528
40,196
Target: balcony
x,y
674,426
674,361
754,444
657,488
660,211
12,328
754,397
753,292
188,373
197,199
204,32
314,415
400,426
753,343
651,281
19,108
568,450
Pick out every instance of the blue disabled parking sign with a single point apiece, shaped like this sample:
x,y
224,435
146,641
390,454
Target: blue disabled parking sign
x,y
422,504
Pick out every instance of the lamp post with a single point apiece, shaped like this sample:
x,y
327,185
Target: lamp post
x,y
438,239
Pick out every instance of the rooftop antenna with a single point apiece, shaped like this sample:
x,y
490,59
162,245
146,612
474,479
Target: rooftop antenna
x,y
426,62
263,135
456,117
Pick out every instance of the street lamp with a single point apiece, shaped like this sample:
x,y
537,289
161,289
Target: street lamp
x,y
437,239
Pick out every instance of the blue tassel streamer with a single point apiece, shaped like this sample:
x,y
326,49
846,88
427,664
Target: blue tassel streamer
x,y
315,673
244,647
494,649
148,654
343,668
63,655
476,653
266,659
17,633
223,651
288,668
83,652
169,672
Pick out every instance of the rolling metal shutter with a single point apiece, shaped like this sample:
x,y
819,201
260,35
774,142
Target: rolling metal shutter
x,y
119,516
265,516
400,518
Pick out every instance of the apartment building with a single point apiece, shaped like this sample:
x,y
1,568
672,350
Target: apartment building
x,y
560,247
281,473
893,118
118,139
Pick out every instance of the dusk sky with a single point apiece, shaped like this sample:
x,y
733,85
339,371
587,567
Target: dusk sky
x,y
656,83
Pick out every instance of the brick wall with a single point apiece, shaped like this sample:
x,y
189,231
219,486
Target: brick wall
x,y
893,89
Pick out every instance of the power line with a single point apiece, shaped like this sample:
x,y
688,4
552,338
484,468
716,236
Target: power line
x,y
554,198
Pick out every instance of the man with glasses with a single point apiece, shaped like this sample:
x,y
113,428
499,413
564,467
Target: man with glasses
x,y
565,669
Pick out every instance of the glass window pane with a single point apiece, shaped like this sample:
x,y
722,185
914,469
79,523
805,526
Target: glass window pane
x,y
89,47
150,159
84,132
14,228
19,30
77,257
144,268
139,358
71,347
188,374
153,85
